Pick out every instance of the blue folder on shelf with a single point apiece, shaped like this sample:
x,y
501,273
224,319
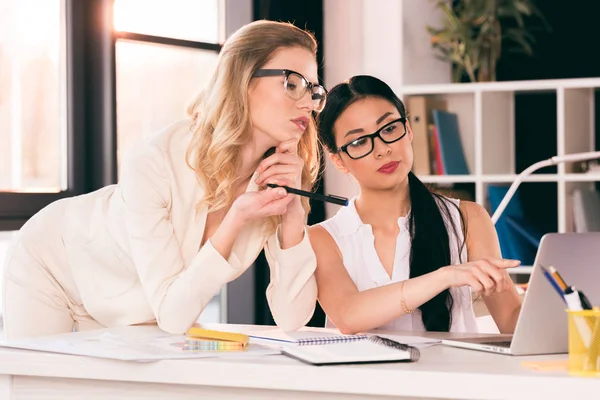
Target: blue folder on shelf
x,y
518,238
451,150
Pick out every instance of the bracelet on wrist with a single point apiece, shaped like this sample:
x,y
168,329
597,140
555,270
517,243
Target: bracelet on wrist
x,y
403,302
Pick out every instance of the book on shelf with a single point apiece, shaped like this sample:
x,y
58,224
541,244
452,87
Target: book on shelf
x,y
518,238
420,115
437,144
449,144
435,152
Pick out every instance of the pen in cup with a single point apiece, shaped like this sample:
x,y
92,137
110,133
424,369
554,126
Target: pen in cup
x,y
574,303
342,201
559,280
587,326
585,303
553,283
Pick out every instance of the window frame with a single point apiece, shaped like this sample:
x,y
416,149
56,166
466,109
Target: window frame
x,y
91,153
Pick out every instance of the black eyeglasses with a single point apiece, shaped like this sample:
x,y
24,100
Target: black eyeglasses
x,y
364,145
296,86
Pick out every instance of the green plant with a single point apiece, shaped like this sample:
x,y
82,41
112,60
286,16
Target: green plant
x,y
473,30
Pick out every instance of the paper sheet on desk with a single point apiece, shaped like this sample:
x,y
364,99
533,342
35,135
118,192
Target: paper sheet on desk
x,y
131,343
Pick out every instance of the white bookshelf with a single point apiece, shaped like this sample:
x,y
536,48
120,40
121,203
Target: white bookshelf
x,y
486,122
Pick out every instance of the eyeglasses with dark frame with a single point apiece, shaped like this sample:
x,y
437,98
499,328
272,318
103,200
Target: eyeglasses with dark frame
x,y
295,86
363,146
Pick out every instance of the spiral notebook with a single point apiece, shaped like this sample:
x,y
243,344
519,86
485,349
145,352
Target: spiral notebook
x,y
369,349
302,337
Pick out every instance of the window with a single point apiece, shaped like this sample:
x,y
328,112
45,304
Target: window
x,y
155,83
57,85
166,50
33,112
160,70
194,20
32,98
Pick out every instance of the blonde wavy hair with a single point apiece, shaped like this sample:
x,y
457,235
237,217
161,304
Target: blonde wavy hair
x,y
221,113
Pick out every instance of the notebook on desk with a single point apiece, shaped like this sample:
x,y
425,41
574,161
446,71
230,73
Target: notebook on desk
x,y
368,349
302,337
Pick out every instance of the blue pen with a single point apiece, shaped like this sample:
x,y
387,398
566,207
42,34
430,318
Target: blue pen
x,y
554,284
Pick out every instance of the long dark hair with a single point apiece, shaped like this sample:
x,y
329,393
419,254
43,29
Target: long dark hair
x,y
430,241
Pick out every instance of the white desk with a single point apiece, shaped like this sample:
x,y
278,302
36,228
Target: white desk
x,y
441,373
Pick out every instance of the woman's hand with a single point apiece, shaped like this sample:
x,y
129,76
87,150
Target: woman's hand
x,y
262,204
485,276
284,168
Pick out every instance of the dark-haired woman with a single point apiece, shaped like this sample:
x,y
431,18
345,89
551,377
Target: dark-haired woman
x,y
400,256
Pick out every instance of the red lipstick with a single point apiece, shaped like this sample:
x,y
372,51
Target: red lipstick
x,y
389,167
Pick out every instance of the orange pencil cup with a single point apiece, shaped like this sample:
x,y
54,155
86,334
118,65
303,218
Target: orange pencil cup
x,y
584,342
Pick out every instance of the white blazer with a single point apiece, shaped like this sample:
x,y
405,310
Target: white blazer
x,y
133,249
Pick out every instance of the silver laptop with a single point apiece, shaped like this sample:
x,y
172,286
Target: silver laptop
x,y
542,327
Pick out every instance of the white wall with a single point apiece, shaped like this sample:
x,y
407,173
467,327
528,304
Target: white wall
x,y
420,66
237,300
384,38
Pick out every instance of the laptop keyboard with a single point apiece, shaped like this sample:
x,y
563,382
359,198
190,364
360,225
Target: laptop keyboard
x,y
499,344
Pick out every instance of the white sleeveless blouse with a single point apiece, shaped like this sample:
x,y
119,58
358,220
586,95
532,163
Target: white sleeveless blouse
x,y
357,246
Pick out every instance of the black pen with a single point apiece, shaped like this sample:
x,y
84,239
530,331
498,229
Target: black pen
x,y
342,201
585,303
583,300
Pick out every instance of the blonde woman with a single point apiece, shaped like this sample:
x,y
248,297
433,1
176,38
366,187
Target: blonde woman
x,y
190,212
